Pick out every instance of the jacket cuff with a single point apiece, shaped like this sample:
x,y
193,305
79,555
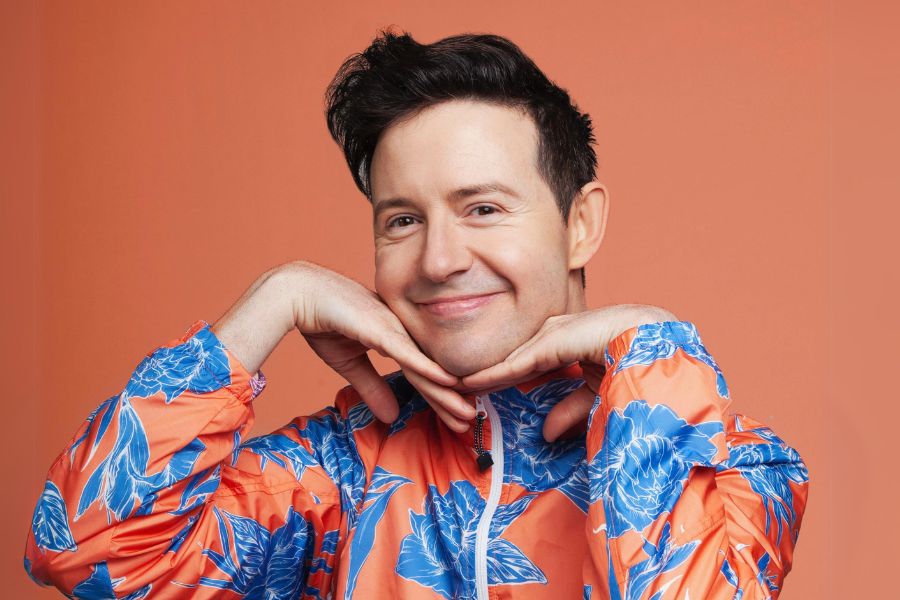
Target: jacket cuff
x,y
243,386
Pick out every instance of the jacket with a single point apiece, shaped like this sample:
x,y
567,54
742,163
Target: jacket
x,y
663,494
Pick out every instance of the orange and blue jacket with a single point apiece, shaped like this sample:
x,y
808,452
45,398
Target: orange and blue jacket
x,y
663,495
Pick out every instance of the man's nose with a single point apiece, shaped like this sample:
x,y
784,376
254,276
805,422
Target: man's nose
x,y
445,253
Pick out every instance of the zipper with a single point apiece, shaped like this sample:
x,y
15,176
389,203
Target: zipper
x,y
493,459
484,458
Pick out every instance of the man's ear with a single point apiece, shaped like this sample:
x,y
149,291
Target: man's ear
x,y
587,223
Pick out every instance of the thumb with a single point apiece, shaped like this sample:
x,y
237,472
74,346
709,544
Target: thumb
x,y
571,411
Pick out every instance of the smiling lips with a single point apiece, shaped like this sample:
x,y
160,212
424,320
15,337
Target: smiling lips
x,y
457,306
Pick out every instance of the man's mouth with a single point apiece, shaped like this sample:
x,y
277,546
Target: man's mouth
x,y
457,305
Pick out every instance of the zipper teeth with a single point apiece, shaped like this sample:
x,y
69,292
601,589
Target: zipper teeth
x,y
479,435
484,525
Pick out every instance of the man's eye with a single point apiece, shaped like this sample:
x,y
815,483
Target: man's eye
x,y
483,206
397,220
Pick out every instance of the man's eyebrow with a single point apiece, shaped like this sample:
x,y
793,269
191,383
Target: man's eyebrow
x,y
379,206
481,188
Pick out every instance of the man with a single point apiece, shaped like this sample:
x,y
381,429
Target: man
x,y
528,447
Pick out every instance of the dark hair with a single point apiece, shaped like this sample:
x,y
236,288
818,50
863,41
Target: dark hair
x,y
396,76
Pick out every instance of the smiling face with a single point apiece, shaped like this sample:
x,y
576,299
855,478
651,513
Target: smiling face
x,y
461,211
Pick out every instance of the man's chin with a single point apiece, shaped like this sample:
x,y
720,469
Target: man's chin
x,y
465,363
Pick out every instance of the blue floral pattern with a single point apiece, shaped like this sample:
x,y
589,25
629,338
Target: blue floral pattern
x,y
440,551
384,485
100,586
536,464
644,462
784,466
120,481
198,365
663,557
50,523
654,341
642,453
262,564
333,447
281,450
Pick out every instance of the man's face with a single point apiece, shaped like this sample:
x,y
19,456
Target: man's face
x,y
460,209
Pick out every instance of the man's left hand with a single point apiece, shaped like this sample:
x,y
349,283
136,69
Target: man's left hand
x,y
561,341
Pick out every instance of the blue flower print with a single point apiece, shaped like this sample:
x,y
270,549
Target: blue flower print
x,y
506,563
179,538
663,557
199,365
108,408
198,489
384,484
50,522
654,341
281,450
120,479
269,564
769,468
333,447
644,462
731,577
536,464
765,576
437,552
320,563
440,551
100,586
329,547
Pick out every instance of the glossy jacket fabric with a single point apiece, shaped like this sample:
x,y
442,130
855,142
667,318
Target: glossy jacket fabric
x,y
665,495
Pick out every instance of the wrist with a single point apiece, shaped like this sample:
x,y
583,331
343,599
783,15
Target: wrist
x,y
256,322
283,290
648,313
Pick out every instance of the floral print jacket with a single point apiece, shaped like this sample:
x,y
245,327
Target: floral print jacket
x,y
664,495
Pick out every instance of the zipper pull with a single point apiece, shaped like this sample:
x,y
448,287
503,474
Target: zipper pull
x,y
484,459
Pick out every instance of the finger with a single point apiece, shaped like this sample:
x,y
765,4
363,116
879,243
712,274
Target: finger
x,y
539,358
371,386
443,398
451,421
571,411
401,348
593,373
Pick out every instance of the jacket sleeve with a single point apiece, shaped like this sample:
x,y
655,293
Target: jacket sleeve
x,y
686,501
156,496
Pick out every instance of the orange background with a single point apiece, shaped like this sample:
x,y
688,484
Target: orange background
x,y
158,156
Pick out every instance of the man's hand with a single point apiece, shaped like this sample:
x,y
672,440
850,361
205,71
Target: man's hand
x,y
341,320
563,340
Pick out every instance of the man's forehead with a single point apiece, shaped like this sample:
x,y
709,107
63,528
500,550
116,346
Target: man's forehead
x,y
452,151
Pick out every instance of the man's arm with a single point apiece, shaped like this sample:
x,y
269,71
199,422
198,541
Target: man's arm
x,y
155,493
686,501
156,490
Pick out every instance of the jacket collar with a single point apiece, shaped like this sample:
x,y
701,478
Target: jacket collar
x,y
523,408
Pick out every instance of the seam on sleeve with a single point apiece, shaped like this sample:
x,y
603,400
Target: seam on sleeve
x,y
700,527
243,490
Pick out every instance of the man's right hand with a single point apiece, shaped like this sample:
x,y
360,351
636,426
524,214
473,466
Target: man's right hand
x,y
341,320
